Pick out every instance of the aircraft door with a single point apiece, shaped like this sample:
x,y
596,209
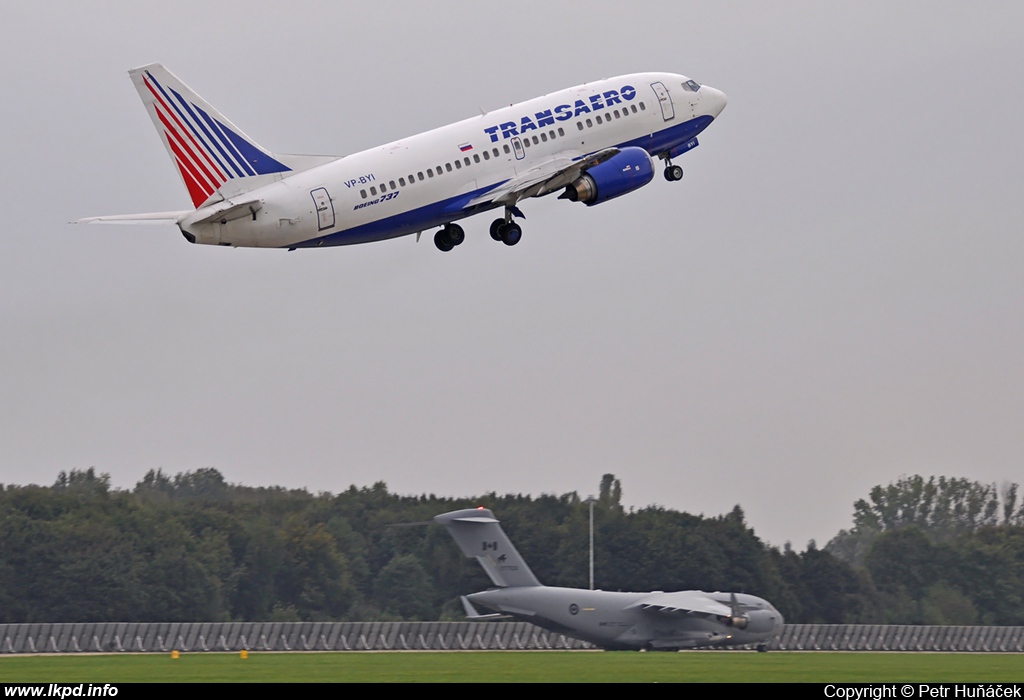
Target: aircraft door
x,y
668,112
324,208
517,146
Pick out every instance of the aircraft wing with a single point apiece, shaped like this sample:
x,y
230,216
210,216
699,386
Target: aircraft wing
x,y
545,178
683,603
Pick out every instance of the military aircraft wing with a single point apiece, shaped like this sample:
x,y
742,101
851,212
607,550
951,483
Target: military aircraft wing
x,y
682,603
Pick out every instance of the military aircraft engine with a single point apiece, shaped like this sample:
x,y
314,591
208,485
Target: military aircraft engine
x,y
738,621
629,170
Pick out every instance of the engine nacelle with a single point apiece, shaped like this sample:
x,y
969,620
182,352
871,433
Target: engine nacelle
x,y
737,621
629,170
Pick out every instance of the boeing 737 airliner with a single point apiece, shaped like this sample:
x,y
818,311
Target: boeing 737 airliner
x,y
593,143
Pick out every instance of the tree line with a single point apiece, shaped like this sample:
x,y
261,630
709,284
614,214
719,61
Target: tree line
x,y
193,547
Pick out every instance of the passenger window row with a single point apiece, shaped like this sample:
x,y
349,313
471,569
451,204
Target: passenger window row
x,y
458,164
608,117
542,137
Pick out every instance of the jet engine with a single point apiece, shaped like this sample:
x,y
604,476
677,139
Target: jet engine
x,y
737,621
736,618
629,170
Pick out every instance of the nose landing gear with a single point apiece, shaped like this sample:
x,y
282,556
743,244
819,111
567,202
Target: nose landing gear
x,y
673,173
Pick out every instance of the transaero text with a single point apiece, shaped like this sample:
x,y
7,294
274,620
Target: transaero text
x,y
561,113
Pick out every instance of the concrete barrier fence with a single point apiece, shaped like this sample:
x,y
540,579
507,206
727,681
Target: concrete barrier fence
x,y
120,637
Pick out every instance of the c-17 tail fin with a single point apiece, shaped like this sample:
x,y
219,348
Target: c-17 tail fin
x,y
479,535
215,159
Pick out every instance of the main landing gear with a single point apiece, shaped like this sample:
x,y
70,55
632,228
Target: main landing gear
x,y
505,230
449,237
508,233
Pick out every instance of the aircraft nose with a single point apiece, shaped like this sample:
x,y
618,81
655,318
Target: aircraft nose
x,y
716,100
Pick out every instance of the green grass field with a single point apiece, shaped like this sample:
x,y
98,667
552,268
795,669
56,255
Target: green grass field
x,y
529,666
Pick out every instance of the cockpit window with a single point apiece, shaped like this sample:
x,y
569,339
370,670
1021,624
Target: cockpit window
x,y
691,85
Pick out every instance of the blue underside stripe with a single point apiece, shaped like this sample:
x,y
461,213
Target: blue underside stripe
x,y
427,216
453,208
667,139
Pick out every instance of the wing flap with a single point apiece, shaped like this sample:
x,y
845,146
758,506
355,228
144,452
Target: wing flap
x,y
683,603
545,178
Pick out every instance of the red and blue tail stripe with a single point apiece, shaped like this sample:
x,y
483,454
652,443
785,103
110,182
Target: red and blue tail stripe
x,y
207,152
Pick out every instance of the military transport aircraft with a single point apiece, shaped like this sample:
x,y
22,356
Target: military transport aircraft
x,y
592,143
611,620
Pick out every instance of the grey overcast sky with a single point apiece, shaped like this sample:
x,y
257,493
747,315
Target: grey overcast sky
x,y
830,299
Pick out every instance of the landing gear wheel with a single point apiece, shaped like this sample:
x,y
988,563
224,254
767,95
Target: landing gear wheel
x,y
455,234
673,173
511,233
443,243
762,647
496,227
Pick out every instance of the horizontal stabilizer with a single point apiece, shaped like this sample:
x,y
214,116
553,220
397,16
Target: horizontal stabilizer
x,y
472,614
156,217
227,211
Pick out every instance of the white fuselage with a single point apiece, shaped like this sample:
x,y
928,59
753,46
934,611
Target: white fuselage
x,y
443,175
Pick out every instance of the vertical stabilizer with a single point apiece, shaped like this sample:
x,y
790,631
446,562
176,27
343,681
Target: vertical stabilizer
x,y
208,150
479,535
